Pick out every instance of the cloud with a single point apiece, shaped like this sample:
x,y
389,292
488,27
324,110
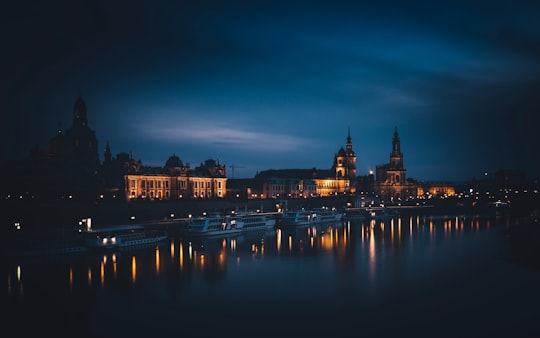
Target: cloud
x,y
220,134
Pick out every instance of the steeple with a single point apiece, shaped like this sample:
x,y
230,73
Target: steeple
x,y
349,140
396,142
108,154
396,157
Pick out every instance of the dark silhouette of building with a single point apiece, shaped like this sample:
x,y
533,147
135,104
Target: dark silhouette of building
x,y
68,166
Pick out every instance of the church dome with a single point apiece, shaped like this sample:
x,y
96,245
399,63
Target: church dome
x,y
174,161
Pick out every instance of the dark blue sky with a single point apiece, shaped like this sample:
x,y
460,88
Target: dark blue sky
x,y
276,84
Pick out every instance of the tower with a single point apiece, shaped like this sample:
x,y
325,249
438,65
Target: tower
x,y
391,182
396,172
345,163
79,113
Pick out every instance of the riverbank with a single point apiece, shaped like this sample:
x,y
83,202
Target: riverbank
x,y
34,216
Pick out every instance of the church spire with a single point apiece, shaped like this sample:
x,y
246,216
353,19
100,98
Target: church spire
x,y
349,140
396,157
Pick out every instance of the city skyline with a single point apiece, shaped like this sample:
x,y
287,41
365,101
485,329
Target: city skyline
x,y
277,85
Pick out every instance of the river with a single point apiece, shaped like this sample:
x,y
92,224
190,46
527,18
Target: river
x,y
414,276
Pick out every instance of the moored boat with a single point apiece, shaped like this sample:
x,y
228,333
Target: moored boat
x,y
215,224
224,224
121,236
256,220
309,217
298,218
327,215
354,213
369,213
380,213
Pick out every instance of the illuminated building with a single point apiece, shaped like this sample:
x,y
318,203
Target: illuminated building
x,y
303,183
177,181
436,189
344,168
391,182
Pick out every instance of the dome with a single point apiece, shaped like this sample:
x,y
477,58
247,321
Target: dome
x,y
174,161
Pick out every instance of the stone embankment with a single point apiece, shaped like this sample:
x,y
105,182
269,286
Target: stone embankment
x,y
37,216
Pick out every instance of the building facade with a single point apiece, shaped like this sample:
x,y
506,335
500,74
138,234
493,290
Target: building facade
x,y
177,181
391,182
345,171
340,179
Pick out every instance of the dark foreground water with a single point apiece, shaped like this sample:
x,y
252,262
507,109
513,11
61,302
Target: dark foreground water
x,y
416,276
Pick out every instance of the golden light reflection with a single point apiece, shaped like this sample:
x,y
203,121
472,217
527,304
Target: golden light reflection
x,y
372,254
190,251
115,265
202,262
70,277
312,242
158,260
222,259
89,276
399,229
133,268
278,239
102,272
290,243
181,255
233,245
172,250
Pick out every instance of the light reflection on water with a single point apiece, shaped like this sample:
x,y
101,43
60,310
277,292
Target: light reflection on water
x,y
341,272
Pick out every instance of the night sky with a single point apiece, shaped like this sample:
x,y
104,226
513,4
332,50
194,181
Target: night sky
x,y
277,84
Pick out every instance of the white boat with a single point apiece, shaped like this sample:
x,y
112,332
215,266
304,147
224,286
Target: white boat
x,y
256,220
215,224
121,236
380,213
219,224
298,218
326,215
355,213
310,217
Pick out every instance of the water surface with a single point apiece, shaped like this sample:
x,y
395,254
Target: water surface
x,y
445,276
